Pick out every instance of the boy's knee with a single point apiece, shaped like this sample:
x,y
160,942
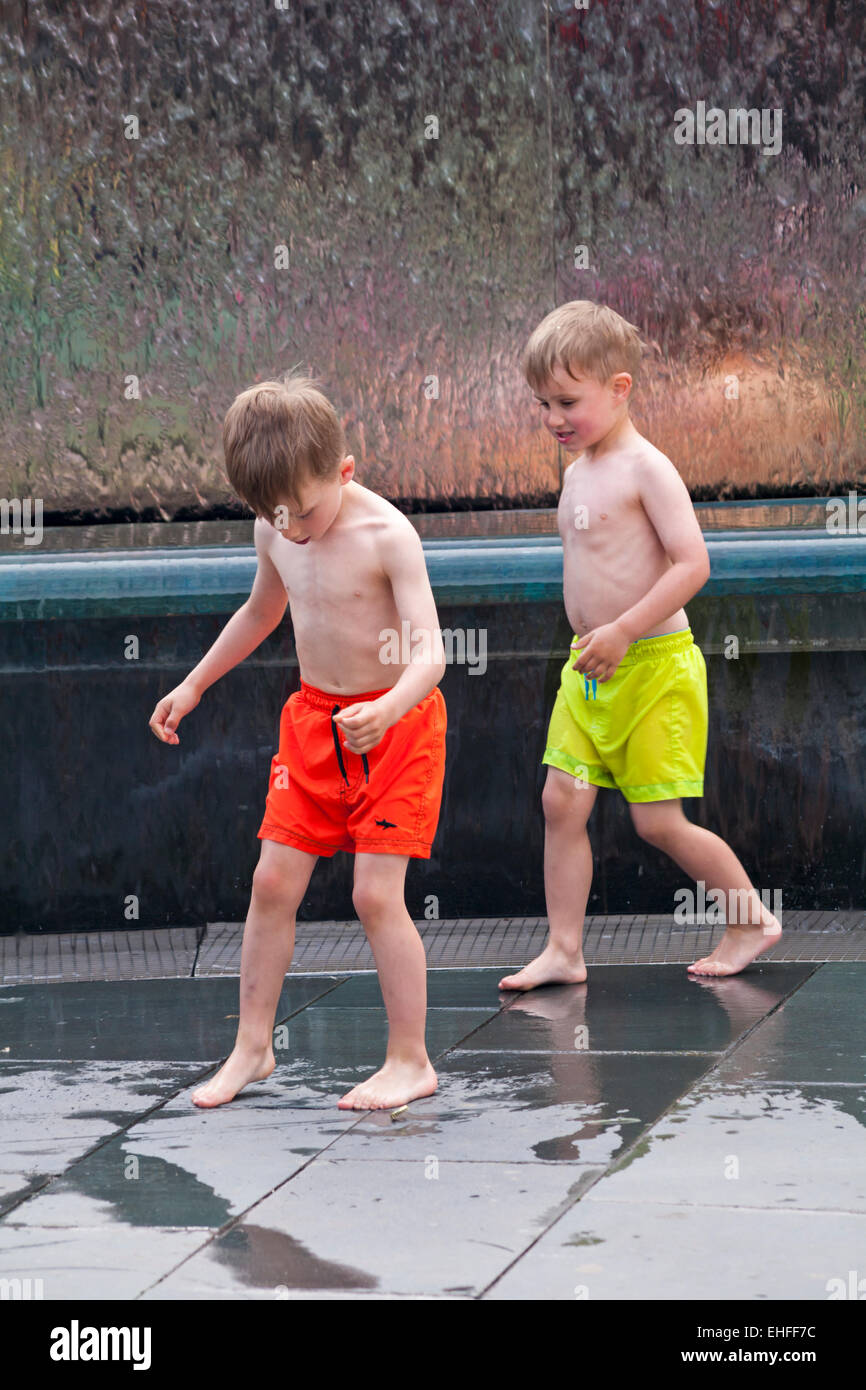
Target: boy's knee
x,y
563,799
655,830
371,900
271,886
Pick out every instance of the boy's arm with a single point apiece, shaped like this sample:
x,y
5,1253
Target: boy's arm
x,y
402,557
251,624
666,502
244,631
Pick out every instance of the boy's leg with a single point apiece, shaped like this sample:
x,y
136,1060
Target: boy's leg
x,y
280,881
567,803
705,856
402,965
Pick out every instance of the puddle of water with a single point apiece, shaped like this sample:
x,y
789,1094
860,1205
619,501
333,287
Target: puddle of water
x,y
263,1258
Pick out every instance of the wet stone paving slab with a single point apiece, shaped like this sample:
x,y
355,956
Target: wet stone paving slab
x,y
645,1135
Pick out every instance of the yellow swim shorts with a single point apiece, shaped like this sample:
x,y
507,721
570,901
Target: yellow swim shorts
x,y
645,730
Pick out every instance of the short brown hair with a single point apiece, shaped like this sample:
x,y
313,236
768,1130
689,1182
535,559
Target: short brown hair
x,y
591,337
276,435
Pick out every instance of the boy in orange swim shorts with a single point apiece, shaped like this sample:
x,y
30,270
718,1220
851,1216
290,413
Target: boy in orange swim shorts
x,y
360,772
386,802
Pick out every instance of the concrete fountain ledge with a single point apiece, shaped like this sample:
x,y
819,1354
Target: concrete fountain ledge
x,y
504,570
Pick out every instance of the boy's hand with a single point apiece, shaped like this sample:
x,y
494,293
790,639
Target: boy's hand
x,y
364,724
170,711
603,649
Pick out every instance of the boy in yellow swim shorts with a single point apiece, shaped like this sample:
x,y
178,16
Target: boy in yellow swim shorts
x,y
631,711
644,730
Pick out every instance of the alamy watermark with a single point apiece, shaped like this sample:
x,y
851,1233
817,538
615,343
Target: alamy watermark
x,y
21,1290
22,517
736,126
846,516
734,906
77,1343
463,646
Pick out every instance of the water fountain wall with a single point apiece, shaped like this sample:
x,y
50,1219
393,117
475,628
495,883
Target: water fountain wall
x,y
392,196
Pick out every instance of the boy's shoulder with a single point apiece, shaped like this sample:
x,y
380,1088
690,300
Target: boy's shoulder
x,y
384,523
377,506
639,454
368,508
650,461
645,449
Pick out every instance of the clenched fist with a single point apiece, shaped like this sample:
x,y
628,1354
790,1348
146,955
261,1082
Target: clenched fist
x,y
171,710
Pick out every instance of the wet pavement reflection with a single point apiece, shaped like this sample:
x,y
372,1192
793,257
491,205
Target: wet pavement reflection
x,y
643,1135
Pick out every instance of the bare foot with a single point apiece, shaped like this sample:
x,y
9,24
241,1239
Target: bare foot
x,y
396,1083
739,946
243,1066
550,968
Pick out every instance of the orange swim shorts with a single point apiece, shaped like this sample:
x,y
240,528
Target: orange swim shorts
x,y
323,798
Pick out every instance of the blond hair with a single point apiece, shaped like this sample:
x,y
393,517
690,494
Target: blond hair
x,y
277,435
596,340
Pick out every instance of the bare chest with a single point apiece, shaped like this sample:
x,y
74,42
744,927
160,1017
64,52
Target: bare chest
x,y
319,579
597,511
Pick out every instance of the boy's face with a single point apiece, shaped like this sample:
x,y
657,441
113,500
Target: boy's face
x,y
317,506
579,410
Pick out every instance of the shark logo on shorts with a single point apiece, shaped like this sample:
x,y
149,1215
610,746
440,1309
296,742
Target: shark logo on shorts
x,y
386,824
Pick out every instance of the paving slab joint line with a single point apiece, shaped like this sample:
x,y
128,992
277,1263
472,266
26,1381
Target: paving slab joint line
x,y
227,1226
731,1206
621,1158
197,1079
106,1139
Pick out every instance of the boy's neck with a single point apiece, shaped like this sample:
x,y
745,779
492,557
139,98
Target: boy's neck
x,y
348,499
348,502
623,432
